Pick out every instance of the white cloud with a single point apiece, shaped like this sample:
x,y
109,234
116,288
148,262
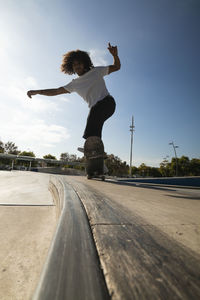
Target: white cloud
x,y
29,131
16,92
98,57
25,121
31,82
63,99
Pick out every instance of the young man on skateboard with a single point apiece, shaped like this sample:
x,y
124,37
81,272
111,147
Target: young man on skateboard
x,y
90,85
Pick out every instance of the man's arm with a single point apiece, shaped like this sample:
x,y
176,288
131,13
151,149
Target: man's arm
x,y
48,92
116,65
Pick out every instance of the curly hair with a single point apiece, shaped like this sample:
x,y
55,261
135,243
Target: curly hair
x,y
69,57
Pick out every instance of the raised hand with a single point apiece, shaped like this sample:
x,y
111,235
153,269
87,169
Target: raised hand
x,y
31,93
113,49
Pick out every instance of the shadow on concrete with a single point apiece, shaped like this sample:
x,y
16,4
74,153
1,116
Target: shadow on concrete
x,y
185,197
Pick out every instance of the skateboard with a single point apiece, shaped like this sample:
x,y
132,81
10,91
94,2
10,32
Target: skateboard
x,y
94,155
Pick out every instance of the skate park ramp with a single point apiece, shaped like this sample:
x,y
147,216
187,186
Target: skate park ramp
x,y
27,225
103,240
146,240
19,188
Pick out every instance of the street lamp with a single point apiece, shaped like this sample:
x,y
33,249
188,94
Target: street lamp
x,y
131,130
172,143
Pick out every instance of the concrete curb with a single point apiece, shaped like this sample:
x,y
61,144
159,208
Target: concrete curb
x,y
72,268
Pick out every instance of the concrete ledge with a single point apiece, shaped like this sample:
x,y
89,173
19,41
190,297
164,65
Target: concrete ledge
x,y
142,260
72,269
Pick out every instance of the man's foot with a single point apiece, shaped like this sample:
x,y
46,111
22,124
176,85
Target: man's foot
x,y
81,149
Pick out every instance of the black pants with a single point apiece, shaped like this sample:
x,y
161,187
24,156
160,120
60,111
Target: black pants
x,y
98,114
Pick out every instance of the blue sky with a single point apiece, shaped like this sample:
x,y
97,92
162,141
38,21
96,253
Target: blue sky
x,y
159,45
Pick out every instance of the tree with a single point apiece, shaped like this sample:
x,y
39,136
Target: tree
x,y
183,166
155,172
186,167
11,148
27,153
49,156
1,147
173,166
194,167
64,156
165,168
134,170
115,166
73,157
143,170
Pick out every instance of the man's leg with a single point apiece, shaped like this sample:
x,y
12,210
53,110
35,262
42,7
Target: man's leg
x,y
98,114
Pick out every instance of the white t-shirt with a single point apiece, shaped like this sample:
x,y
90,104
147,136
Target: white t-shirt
x,y
90,86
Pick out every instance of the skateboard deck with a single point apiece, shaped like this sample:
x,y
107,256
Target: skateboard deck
x,y
94,154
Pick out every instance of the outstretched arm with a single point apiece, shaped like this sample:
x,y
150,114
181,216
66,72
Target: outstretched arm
x,y
48,92
116,65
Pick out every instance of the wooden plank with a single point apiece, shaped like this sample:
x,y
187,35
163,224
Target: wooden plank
x,y
100,209
139,261
140,264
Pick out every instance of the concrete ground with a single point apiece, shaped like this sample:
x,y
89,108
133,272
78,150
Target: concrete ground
x,y
28,221
27,225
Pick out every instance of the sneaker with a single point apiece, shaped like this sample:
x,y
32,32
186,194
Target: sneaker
x,y
81,149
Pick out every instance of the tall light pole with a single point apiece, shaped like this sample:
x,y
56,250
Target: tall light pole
x,y
131,130
172,143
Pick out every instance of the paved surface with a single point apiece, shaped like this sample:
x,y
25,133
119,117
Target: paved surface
x,y
24,188
27,225
147,238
